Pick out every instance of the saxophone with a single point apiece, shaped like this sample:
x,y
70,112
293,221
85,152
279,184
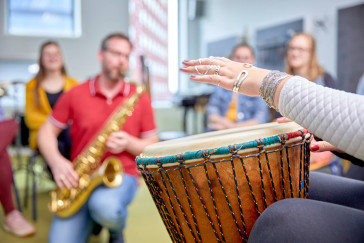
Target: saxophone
x,y
65,202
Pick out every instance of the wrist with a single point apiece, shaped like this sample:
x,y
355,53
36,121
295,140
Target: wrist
x,y
278,91
269,86
255,77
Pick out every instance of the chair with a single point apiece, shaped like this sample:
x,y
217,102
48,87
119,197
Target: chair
x,y
31,172
194,105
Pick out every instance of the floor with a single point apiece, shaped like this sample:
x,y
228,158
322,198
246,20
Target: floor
x,y
144,222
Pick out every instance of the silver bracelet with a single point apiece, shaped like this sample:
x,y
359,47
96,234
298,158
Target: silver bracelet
x,y
269,86
239,80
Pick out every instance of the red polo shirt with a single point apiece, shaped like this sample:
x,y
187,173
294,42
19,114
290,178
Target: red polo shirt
x,y
86,109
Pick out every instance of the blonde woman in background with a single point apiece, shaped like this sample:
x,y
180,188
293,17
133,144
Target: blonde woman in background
x,y
301,60
43,91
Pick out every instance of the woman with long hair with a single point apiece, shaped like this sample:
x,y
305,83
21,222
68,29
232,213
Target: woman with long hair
x,y
301,60
43,91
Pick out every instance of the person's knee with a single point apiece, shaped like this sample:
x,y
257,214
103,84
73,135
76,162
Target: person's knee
x,y
275,220
107,214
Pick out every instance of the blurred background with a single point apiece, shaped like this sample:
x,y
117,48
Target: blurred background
x,y
164,33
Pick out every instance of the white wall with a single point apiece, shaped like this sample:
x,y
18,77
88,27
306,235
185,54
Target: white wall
x,y
99,18
226,18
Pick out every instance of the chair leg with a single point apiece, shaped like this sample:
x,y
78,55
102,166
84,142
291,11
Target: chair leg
x,y
16,192
34,196
29,167
30,170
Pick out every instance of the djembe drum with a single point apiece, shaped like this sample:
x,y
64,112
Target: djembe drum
x,y
212,187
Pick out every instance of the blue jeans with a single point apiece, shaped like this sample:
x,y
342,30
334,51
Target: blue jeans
x,y
106,206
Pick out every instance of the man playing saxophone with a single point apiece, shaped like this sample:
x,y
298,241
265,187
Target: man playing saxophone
x,y
86,108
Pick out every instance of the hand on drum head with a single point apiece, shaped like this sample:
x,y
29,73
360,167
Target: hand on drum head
x,y
316,146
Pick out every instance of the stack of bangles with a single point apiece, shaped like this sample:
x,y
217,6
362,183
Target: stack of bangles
x,y
269,86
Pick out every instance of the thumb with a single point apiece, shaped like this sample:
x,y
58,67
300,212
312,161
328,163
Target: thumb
x,y
283,119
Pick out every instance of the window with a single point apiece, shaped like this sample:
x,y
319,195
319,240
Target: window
x,y
61,18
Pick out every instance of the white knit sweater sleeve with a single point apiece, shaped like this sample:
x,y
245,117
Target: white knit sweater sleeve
x,y
335,116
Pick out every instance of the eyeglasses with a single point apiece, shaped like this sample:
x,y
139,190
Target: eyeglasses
x,y
299,49
116,53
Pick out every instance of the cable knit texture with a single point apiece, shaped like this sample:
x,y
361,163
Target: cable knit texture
x,y
335,116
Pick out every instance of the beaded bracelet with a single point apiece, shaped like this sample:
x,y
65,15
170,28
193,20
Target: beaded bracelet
x,y
269,86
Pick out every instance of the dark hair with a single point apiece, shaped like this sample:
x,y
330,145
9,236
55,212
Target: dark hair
x,y
105,41
242,45
39,77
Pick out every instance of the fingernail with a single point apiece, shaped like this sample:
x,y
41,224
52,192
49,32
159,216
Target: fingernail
x,y
186,60
315,147
192,76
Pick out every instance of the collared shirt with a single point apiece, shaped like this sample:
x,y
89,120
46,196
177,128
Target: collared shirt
x,y
87,109
247,107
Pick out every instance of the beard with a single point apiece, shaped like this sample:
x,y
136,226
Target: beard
x,y
114,75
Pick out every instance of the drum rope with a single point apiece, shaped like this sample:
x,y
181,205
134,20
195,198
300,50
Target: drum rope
x,y
212,196
227,200
281,157
307,165
289,172
301,171
250,185
160,170
238,196
156,191
270,175
180,206
203,204
261,148
181,161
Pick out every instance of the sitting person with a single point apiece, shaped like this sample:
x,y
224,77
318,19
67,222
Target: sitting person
x,y
43,91
228,110
334,209
87,108
14,221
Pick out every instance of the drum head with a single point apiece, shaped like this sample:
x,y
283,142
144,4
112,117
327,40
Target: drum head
x,y
211,140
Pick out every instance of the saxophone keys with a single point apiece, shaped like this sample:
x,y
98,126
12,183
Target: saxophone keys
x,y
115,127
84,181
101,139
91,159
74,193
93,150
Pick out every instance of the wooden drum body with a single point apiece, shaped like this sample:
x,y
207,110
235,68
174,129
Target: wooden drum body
x,y
212,187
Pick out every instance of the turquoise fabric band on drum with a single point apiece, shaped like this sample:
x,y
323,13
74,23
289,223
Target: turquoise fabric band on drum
x,y
216,151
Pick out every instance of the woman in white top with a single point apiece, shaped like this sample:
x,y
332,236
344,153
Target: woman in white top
x,y
334,211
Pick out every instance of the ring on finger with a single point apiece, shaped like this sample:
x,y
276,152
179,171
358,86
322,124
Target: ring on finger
x,y
208,69
62,177
197,70
217,69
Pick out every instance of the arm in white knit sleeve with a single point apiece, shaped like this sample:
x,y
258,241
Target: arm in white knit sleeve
x,y
335,116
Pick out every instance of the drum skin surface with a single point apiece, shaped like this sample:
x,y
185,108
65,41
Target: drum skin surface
x,y
212,187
